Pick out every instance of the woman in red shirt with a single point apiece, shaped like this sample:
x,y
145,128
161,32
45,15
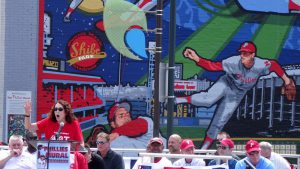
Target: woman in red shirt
x,y
60,115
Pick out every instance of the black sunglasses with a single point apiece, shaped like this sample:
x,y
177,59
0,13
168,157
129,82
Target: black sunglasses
x,y
59,109
100,142
222,147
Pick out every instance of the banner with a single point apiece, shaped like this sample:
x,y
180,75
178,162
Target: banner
x,y
54,154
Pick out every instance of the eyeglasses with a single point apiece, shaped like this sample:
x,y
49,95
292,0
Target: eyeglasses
x,y
253,153
222,147
100,142
59,109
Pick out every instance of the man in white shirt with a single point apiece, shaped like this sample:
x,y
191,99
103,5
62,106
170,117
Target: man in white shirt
x,y
278,161
187,147
15,157
174,143
155,145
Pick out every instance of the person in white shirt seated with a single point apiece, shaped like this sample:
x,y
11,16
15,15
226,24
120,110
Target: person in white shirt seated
x,y
187,147
15,157
278,161
155,145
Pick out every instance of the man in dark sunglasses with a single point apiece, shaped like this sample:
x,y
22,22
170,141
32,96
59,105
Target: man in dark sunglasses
x,y
254,157
112,160
224,148
95,161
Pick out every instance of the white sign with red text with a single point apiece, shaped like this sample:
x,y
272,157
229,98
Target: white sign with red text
x,y
185,85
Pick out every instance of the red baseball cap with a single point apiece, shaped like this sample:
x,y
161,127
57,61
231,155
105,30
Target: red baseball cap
x,y
156,140
252,145
115,107
186,143
247,46
227,142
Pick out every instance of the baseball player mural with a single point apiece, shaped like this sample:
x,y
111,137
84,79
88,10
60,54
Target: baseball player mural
x,y
128,132
241,74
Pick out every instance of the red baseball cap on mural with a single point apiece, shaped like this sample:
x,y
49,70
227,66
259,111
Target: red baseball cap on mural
x,y
156,140
247,47
252,145
227,142
115,107
186,143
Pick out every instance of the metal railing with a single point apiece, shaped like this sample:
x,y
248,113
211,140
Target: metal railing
x,y
208,154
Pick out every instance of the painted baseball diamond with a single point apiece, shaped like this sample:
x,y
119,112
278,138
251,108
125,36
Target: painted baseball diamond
x,y
97,54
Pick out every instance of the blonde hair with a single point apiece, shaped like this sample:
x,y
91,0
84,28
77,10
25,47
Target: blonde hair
x,y
103,135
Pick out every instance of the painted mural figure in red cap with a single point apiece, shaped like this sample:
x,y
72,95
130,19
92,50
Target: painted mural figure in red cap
x,y
254,157
241,74
128,132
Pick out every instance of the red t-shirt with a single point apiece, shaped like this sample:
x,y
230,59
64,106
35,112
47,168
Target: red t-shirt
x,y
80,161
70,131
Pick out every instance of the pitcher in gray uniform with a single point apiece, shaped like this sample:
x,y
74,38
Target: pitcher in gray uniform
x,y
242,73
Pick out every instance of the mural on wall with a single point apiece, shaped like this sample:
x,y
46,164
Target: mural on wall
x,y
95,55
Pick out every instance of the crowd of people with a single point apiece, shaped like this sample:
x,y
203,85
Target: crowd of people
x,y
61,124
258,155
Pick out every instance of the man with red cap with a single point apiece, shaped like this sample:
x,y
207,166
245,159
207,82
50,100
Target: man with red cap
x,y
224,148
155,145
254,158
187,147
126,131
241,74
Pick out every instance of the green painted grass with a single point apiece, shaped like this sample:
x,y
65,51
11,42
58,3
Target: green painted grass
x,y
186,132
271,36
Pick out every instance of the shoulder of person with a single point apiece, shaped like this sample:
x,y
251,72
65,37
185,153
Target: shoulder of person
x,y
96,155
232,60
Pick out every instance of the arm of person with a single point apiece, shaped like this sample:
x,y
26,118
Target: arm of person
x,y
275,67
3,161
78,133
134,128
202,62
13,153
81,161
29,126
